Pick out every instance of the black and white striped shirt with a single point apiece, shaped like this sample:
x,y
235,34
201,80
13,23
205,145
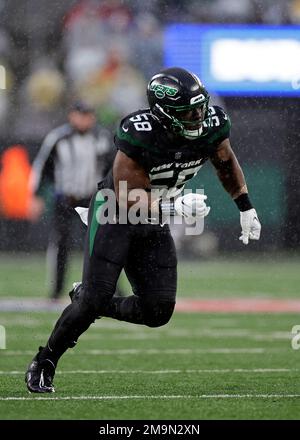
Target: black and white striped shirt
x,y
74,162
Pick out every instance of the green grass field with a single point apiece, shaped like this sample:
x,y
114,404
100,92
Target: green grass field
x,y
199,366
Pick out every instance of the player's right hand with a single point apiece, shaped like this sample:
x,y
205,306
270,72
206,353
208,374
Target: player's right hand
x,y
192,206
250,225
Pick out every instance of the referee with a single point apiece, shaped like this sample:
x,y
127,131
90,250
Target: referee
x,y
73,158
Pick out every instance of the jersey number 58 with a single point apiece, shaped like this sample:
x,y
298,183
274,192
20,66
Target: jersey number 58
x,y
141,122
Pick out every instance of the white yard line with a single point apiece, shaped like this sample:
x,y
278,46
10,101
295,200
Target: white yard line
x,y
151,397
204,333
210,304
150,351
187,371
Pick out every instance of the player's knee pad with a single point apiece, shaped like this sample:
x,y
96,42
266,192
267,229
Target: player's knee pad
x,y
157,312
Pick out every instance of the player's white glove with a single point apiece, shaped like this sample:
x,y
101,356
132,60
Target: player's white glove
x,y
251,226
192,206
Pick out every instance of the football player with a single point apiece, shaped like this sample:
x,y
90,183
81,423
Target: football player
x,y
160,147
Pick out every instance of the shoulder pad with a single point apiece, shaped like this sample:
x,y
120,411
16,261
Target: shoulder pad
x,y
218,124
223,117
137,129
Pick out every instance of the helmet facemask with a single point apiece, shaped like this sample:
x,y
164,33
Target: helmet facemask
x,y
188,120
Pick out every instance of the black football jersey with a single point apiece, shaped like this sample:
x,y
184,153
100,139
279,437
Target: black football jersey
x,y
170,161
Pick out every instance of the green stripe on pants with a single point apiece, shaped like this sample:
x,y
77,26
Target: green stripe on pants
x,y
97,206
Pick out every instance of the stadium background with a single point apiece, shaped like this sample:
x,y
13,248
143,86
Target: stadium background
x,y
105,51
101,50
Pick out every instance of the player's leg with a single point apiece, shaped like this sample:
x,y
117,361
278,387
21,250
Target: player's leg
x,y
151,268
152,271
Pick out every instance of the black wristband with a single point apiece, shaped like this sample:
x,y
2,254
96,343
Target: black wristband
x,y
243,202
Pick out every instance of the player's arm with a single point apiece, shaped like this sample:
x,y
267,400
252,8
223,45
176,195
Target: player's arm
x,y
229,170
232,178
131,182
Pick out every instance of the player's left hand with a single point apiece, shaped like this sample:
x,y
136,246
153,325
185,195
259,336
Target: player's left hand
x,y
251,226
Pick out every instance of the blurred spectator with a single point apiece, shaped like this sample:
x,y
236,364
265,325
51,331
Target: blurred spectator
x,y
146,42
116,89
5,79
294,11
228,11
73,157
40,102
45,88
97,43
91,29
4,43
234,11
272,11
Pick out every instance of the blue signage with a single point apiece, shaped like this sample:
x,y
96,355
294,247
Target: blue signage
x,y
238,60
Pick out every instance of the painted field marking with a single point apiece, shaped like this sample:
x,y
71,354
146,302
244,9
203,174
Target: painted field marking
x,y
239,305
190,305
152,351
165,397
210,332
187,371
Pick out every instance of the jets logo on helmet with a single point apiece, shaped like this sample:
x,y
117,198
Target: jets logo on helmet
x,y
180,101
161,91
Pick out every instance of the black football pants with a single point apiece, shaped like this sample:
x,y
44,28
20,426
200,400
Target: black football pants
x,y
147,254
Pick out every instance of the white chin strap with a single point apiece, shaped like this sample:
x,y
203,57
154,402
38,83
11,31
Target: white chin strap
x,y
192,134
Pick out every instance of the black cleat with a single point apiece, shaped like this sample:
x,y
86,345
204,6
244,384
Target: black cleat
x,y
39,375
